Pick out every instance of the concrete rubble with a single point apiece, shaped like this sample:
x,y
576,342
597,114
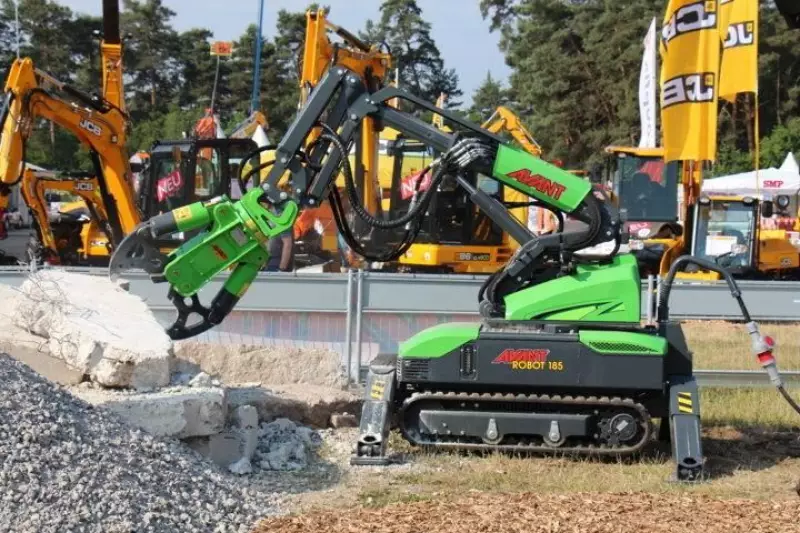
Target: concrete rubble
x,y
246,408
95,327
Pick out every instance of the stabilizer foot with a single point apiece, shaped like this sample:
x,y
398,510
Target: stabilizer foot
x,y
376,413
684,413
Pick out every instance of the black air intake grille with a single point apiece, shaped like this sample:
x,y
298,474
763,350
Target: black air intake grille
x,y
413,369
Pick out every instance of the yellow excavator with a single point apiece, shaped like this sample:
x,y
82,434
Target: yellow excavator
x,y
30,96
100,124
456,237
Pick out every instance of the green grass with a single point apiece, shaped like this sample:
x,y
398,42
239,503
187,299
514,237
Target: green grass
x,y
726,346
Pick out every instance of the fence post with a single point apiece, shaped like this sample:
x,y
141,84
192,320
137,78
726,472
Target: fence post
x,y
658,294
349,325
359,317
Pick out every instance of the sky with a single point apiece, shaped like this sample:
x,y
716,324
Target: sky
x,y
460,32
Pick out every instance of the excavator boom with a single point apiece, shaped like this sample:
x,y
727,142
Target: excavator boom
x,y
98,125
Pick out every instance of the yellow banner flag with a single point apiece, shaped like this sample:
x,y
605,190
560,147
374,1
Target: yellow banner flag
x,y
738,71
690,54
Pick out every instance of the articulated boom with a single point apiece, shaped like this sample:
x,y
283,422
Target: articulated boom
x,y
234,232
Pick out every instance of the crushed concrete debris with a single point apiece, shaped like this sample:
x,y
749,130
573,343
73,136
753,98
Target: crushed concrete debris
x,y
67,466
283,445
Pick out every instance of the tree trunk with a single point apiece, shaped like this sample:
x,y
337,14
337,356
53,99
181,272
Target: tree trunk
x,y
748,106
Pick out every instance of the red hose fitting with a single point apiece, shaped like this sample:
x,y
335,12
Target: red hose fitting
x,y
762,349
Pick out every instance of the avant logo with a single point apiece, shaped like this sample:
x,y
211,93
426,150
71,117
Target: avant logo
x,y
693,17
540,183
692,88
740,34
91,127
510,356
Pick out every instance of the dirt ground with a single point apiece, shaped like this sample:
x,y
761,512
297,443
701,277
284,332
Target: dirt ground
x,y
553,513
753,467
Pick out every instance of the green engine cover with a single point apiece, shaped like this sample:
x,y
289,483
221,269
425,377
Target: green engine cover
x,y
595,293
439,340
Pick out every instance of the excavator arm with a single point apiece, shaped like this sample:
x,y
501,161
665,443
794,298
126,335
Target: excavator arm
x,y
233,235
99,125
503,119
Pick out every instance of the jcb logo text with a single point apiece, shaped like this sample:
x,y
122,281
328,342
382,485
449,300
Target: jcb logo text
x,y
91,127
740,34
693,88
693,17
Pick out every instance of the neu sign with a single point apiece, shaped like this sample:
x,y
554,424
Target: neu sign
x,y
169,185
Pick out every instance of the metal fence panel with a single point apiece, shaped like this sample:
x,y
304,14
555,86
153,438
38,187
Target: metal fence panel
x,y
360,314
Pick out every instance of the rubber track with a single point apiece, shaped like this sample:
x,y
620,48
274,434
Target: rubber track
x,y
455,443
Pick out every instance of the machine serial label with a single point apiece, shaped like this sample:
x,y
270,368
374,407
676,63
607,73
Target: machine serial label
x,y
469,256
544,185
528,360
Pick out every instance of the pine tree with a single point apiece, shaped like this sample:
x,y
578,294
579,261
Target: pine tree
x,y
414,51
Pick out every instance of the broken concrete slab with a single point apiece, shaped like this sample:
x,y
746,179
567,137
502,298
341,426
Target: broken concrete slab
x,y
96,327
232,448
179,413
273,365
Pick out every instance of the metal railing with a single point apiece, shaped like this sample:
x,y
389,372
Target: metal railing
x,y
359,314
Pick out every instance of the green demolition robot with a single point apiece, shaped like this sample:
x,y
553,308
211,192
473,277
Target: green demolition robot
x,y
558,363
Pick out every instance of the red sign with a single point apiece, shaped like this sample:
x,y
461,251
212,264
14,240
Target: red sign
x,y
409,184
773,184
169,185
510,355
221,48
540,183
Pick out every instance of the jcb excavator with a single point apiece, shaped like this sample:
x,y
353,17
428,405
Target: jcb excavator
x,y
99,122
30,95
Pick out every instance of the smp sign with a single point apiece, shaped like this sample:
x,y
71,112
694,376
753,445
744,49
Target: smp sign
x,y
773,184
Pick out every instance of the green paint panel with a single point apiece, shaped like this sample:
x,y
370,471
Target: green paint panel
x,y
623,343
539,179
236,235
198,216
595,293
439,340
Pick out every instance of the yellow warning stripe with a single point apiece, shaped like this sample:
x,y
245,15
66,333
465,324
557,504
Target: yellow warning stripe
x,y
685,402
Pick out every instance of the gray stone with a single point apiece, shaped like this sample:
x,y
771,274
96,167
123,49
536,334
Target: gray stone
x,y
344,420
201,380
177,413
241,467
247,420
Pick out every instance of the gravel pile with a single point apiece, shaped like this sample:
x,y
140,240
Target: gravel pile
x,y
65,466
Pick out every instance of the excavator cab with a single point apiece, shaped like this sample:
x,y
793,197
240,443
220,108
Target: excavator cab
x,y
645,190
455,236
180,172
725,230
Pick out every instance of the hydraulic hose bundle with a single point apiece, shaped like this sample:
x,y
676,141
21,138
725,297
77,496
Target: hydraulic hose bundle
x,y
761,346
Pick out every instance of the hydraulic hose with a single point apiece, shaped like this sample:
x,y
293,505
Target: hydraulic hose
x,y
762,347
355,201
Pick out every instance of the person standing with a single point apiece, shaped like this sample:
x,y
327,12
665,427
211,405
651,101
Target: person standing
x,y
281,251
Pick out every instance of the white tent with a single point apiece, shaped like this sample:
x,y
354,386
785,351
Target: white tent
x,y
771,182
